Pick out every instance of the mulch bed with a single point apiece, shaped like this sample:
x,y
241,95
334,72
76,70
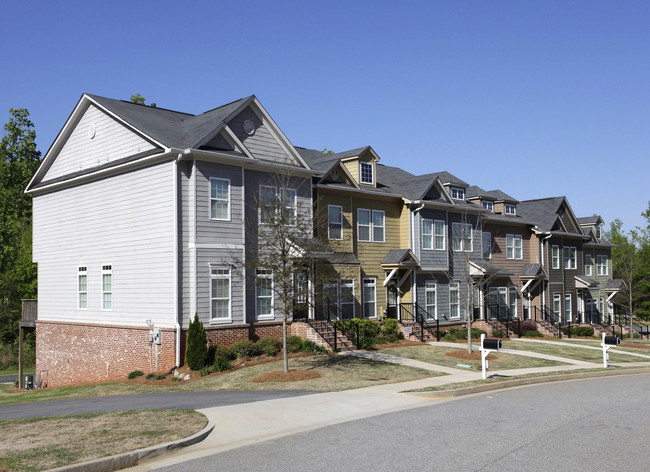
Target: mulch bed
x,y
291,376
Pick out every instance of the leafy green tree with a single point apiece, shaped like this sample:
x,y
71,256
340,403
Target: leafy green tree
x,y
137,98
19,160
197,345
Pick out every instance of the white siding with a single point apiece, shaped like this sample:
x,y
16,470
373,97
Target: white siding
x,y
112,141
125,221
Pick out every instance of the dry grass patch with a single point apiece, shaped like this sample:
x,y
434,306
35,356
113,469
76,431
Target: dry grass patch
x,y
291,376
571,351
44,443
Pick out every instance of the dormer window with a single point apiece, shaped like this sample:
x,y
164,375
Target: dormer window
x,y
457,193
510,209
366,173
489,206
599,231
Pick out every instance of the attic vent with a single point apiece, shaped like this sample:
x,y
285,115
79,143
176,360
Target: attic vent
x,y
248,126
91,131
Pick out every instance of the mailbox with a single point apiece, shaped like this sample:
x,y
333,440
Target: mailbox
x,y
492,344
612,340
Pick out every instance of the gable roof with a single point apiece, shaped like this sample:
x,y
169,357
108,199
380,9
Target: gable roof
x,y
545,213
590,220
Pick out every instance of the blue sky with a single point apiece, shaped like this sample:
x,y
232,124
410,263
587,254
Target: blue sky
x,y
537,99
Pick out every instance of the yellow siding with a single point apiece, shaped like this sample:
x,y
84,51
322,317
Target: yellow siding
x,y
353,168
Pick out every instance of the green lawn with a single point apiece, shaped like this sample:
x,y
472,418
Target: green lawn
x,y
571,352
438,355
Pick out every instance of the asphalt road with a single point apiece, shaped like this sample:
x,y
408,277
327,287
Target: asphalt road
x,y
8,378
586,425
171,400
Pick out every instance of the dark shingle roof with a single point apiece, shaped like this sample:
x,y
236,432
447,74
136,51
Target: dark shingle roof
x,y
544,212
589,220
531,270
492,269
496,195
613,285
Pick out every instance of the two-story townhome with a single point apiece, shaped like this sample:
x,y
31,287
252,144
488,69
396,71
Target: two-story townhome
x,y
597,254
361,218
560,242
145,216
507,243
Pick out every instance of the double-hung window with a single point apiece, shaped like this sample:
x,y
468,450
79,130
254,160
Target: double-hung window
x,y
334,222
510,209
268,204
514,246
338,299
557,305
461,237
570,257
457,193
489,206
219,199
82,288
512,300
369,298
431,299
439,235
555,256
371,225
427,234
264,293
220,290
107,287
567,307
588,264
366,173
601,265
454,302
487,245
278,206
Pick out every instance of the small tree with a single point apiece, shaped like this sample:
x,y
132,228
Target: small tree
x,y
137,98
197,345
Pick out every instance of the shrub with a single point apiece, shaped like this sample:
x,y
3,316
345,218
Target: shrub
x,y
456,333
160,377
498,333
585,331
311,346
245,349
209,357
197,345
178,379
134,374
224,351
221,364
367,330
390,327
203,372
528,325
150,376
532,333
269,346
294,343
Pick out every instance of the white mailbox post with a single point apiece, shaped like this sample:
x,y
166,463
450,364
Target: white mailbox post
x,y
608,343
487,346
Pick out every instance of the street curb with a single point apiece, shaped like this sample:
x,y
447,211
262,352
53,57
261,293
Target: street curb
x,y
133,458
529,381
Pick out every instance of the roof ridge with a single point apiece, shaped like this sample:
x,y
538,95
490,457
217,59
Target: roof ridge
x,y
129,102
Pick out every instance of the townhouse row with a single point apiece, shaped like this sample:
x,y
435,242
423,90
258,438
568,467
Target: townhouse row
x,y
145,216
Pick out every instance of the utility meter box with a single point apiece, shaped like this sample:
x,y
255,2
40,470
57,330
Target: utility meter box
x,y
157,336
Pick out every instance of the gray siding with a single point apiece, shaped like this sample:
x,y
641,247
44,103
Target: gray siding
x,y
125,221
111,142
431,258
261,143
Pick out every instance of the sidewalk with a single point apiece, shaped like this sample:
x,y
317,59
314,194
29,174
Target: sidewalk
x,y
240,425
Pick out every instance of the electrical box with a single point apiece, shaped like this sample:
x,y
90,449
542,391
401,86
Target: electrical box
x,y
157,336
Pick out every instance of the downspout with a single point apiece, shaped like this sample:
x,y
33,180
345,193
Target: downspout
x,y
176,264
544,265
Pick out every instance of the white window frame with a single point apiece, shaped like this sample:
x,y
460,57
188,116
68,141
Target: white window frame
x,y
510,209
427,236
273,206
82,271
367,165
589,264
487,252
555,256
514,246
462,229
568,314
512,295
279,203
376,226
330,223
454,287
290,204
367,226
265,274
214,199
488,205
601,267
557,305
107,269
370,283
439,235
457,193
220,276
570,254
431,287
347,283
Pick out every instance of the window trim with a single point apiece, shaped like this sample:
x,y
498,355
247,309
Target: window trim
x,y
431,286
264,274
567,297
588,266
329,223
372,173
600,265
441,235
374,226
214,319
428,247
369,225
279,203
369,282
489,248
555,256
508,206
261,205
215,199
557,309
512,290
107,269
514,238
488,205
294,201
457,193
462,238
570,260
82,271
454,287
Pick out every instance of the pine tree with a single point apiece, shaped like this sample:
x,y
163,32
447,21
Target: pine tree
x,y
197,345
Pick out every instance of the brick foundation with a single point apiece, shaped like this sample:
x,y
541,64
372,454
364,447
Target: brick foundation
x,y
82,353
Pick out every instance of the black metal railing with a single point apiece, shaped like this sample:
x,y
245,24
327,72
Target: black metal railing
x,y
418,315
556,320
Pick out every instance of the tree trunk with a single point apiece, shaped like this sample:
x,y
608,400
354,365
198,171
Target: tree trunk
x,y
630,307
285,356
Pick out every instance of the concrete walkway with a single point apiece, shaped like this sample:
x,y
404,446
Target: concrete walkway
x,y
593,348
